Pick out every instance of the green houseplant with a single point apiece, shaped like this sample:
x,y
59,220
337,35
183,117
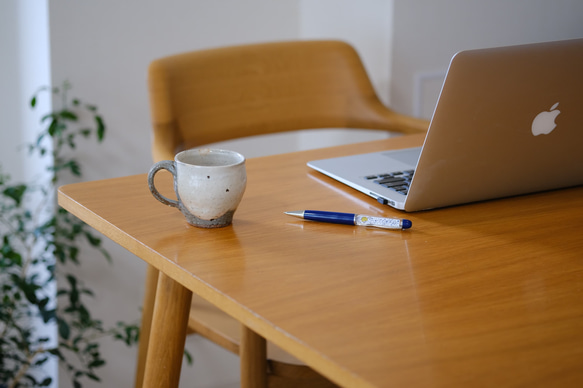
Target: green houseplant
x,y
38,241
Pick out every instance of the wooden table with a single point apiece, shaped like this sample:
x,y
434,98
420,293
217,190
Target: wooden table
x,y
487,294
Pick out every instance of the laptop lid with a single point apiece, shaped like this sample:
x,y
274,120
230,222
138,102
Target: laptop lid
x,y
509,121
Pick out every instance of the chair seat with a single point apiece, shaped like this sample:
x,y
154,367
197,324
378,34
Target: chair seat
x,y
284,369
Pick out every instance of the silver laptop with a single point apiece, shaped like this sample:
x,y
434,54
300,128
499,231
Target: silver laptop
x,y
509,121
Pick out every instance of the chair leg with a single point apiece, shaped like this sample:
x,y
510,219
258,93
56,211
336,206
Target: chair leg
x,y
253,354
168,334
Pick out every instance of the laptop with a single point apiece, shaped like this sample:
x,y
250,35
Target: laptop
x,y
509,121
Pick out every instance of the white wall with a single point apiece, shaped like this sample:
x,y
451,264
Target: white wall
x,y
367,25
427,33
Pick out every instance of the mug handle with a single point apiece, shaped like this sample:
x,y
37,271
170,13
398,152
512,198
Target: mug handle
x,y
162,165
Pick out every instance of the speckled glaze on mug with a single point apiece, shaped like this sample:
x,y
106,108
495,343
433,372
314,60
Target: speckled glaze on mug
x,y
209,185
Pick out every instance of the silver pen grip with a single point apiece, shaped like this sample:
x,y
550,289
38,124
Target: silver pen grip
x,y
378,222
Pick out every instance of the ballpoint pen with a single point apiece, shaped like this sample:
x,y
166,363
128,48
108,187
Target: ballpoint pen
x,y
352,219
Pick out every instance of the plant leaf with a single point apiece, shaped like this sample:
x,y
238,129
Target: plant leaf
x,y
96,364
92,376
94,241
64,330
67,114
100,128
16,193
53,127
48,315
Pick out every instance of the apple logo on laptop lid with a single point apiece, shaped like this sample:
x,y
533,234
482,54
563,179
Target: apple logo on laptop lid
x,y
544,122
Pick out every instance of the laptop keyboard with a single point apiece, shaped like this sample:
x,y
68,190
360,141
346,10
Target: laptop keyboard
x,y
398,181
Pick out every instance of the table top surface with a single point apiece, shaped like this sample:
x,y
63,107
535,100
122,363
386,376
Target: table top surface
x,y
487,293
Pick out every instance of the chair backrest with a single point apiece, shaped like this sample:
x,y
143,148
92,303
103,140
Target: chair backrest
x,y
218,94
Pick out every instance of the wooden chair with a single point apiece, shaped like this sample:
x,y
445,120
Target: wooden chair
x,y
219,94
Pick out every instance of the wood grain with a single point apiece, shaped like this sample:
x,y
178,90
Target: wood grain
x,y
253,359
167,335
482,294
207,96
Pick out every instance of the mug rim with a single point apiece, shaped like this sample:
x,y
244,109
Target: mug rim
x,y
199,151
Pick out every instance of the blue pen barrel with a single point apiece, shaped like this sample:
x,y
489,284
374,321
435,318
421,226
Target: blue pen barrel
x,y
333,217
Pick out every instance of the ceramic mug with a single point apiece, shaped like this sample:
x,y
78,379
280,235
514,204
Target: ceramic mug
x,y
209,185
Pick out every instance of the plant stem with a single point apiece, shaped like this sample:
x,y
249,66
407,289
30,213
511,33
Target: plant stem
x,y
25,366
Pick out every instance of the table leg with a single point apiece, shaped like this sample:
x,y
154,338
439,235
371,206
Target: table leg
x,y
167,334
152,275
253,355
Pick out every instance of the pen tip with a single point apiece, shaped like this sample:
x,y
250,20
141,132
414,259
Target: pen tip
x,y
406,224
